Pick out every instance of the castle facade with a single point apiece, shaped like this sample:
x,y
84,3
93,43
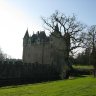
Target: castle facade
x,y
43,49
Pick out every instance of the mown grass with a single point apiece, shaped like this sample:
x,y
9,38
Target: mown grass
x,y
83,66
75,87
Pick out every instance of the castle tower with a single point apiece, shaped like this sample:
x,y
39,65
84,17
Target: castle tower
x,y
26,38
56,28
25,43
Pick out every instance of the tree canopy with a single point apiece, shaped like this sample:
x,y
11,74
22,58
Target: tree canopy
x,y
71,30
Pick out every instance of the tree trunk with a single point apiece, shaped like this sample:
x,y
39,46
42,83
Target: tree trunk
x,y
94,71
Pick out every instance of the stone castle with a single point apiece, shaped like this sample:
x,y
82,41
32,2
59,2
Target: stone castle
x,y
43,49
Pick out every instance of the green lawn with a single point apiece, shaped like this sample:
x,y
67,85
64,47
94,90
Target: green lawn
x,y
83,67
85,86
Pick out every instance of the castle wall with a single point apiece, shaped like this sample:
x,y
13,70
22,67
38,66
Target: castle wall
x,y
44,53
35,52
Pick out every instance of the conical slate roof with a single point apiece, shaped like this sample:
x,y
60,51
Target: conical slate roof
x,y
26,34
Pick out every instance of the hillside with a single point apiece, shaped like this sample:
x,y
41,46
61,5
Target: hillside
x,y
85,86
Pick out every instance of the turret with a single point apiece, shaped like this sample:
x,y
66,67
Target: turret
x,y
26,38
56,31
56,28
42,36
56,34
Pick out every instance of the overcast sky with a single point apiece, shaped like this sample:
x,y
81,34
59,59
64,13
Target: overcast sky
x,y
18,15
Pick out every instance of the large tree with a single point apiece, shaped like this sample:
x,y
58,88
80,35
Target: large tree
x,y
71,30
91,44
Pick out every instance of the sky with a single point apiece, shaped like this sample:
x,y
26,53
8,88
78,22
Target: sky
x,y
18,15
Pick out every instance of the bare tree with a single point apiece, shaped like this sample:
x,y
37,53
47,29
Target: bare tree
x,y
91,43
71,30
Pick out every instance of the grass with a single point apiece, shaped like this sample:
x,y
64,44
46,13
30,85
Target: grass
x,y
74,87
83,67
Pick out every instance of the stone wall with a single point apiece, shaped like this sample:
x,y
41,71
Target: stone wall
x,y
36,52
